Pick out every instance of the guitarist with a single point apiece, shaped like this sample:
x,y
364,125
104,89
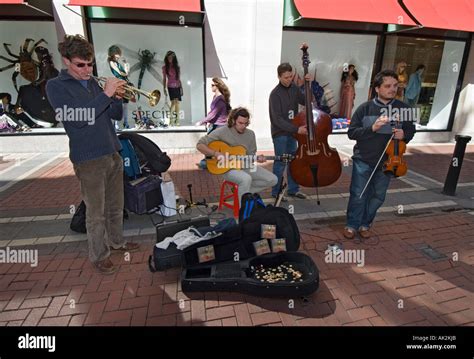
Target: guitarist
x,y
253,180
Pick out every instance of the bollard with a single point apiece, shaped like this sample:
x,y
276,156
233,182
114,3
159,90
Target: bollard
x,y
455,167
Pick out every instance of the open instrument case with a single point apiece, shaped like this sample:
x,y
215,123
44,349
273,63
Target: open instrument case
x,y
233,262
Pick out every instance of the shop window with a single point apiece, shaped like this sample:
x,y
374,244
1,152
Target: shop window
x,y
331,54
25,105
143,48
432,90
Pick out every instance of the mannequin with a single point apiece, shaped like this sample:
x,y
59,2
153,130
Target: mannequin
x,y
347,97
172,85
402,79
412,91
120,69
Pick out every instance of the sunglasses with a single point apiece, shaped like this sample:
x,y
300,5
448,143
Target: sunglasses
x,y
213,85
83,64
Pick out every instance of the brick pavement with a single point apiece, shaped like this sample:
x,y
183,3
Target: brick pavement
x,y
398,285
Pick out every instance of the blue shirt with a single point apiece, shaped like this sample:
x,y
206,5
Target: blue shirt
x,y
84,83
414,86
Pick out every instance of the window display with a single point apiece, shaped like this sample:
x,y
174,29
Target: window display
x,y
333,54
146,49
402,79
172,85
27,62
428,71
120,69
348,80
412,91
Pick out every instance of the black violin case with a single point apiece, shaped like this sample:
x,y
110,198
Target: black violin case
x,y
233,262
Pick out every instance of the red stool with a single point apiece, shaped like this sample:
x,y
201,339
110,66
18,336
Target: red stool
x,y
234,195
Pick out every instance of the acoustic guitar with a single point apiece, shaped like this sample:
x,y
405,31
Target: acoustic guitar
x,y
235,158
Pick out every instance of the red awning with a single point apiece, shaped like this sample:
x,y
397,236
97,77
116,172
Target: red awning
x,y
10,2
171,5
443,14
379,11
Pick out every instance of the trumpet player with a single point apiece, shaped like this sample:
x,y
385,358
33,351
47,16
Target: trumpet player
x,y
93,146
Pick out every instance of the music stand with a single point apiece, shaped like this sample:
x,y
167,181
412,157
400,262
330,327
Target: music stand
x,y
190,203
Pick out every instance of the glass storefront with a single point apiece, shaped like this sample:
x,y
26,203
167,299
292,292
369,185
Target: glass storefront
x,y
142,51
23,44
331,55
428,70
430,89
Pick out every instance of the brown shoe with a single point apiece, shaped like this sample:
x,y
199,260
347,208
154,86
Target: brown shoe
x,y
105,266
364,233
127,247
348,233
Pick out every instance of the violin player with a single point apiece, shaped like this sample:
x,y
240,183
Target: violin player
x,y
371,127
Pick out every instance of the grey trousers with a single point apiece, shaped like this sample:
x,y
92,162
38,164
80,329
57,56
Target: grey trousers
x,y
101,182
253,181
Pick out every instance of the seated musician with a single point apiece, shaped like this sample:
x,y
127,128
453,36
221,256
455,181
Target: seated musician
x,y
254,179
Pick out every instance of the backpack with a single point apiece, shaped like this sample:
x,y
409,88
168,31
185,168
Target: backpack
x,y
149,154
250,204
131,165
78,221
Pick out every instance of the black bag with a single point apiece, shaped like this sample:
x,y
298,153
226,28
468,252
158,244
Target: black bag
x,y
250,204
238,243
149,154
78,221
286,227
143,195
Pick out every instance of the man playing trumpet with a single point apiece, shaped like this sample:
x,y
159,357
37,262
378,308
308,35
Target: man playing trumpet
x,y
93,146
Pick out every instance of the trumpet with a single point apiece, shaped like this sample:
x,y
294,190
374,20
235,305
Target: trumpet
x,y
130,91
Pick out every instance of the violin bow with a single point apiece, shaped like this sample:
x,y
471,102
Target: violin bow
x,y
375,168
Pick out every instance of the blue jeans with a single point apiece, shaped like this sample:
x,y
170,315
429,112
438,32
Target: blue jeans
x,y
284,145
361,211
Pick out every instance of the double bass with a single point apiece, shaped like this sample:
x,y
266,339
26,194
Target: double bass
x,y
316,164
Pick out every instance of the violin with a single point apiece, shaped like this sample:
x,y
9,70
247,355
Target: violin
x,y
395,164
316,164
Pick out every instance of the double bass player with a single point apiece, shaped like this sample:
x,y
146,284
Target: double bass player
x,y
283,104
